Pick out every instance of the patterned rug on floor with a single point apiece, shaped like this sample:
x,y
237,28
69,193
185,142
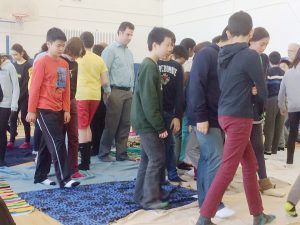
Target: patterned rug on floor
x,y
97,203
14,203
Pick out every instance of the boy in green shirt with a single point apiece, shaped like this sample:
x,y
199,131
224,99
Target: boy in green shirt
x,y
147,120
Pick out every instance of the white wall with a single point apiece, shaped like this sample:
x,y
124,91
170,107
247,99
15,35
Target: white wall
x,y
204,19
90,15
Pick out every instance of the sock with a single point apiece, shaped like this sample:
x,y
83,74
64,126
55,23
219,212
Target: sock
x,y
71,183
224,213
48,182
290,209
262,219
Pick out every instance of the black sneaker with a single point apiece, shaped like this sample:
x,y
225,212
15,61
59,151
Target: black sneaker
x,y
267,153
184,166
107,159
280,149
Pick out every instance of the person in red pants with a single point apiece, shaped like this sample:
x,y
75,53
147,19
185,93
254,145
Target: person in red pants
x,y
74,49
240,77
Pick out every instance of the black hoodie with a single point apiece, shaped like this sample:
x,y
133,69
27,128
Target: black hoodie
x,y
240,69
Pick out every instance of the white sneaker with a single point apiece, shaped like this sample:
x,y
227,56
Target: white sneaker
x,y
225,213
289,166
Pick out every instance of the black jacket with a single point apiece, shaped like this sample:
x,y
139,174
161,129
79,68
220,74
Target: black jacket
x,y
240,68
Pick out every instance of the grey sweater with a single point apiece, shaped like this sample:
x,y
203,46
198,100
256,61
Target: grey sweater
x,y
289,88
10,86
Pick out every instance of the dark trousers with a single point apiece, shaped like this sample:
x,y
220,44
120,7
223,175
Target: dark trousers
x,y
72,133
117,123
97,127
148,182
4,117
258,147
273,125
37,136
52,147
294,118
23,106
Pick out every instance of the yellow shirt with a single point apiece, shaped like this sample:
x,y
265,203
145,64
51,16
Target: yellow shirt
x,y
90,68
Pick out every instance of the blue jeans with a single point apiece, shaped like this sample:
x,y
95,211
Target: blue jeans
x,y
211,151
185,137
169,146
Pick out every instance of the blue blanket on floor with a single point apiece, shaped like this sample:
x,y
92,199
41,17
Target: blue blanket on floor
x,y
17,156
97,204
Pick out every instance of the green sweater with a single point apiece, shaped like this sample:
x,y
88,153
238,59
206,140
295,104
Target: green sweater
x,y
147,107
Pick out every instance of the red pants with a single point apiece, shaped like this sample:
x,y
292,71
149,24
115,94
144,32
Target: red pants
x,y
72,132
237,148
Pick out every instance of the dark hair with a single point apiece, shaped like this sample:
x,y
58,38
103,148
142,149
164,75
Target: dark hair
x,y
275,58
19,48
125,25
55,34
259,33
297,59
180,52
240,23
44,47
224,36
98,49
158,35
216,39
74,47
87,39
201,45
188,43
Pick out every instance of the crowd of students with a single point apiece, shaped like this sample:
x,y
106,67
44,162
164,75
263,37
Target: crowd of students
x,y
214,105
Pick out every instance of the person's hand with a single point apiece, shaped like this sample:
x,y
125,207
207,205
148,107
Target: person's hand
x,y
163,135
67,117
254,90
203,127
175,125
31,117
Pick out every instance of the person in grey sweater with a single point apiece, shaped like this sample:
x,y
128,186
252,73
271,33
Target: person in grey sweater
x,y
8,100
289,89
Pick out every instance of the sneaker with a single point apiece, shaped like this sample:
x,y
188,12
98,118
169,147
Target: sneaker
x,y
263,219
290,209
157,205
77,175
224,213
280,149
107,158
177,180
10,145
25,145
289,166
267,153
204,221
184,166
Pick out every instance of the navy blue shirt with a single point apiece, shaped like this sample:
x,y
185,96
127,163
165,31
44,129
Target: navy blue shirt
x,y
203,89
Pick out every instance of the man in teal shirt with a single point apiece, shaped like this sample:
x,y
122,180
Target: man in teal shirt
x,y
120,64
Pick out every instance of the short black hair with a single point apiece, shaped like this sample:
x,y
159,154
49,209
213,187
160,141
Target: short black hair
x,y
188,43
125,25
88,39
98,49
286,61
259,33
224,36
240,23
55,34
158,35
275,58
180,52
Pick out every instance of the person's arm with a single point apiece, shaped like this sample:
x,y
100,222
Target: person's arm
x,y
16,88
282,97
150,99
108,57
254,69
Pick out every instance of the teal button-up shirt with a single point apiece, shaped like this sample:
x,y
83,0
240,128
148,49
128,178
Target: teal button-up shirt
x,y
120,64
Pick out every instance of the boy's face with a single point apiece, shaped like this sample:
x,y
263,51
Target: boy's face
x,y
260,46
164,49
56,48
